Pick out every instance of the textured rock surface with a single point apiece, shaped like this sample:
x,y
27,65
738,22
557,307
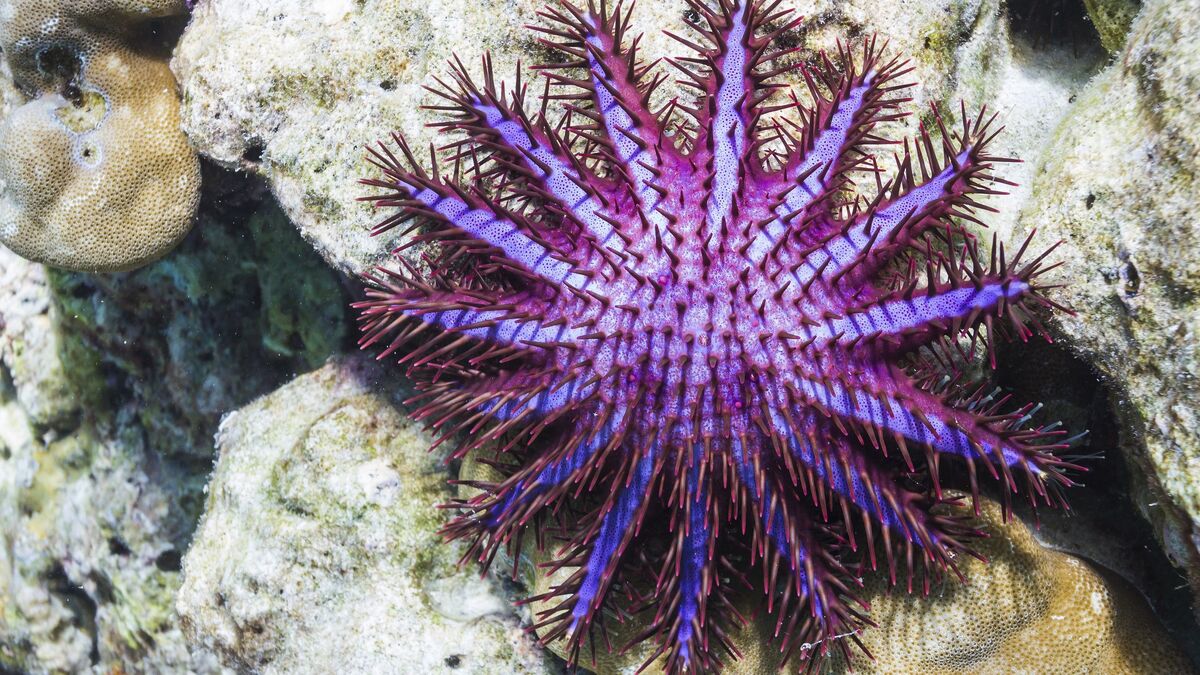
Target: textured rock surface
x,y
110,390
1119,185
91,524
95,173
319,552
30,347
296,89
1112,19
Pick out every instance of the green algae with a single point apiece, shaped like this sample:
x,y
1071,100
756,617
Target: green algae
x,y
1112,19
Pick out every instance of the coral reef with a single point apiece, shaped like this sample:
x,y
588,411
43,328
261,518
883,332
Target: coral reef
x,y
318,550
90,521
695,313
112,386
110,391
95,173
1118,186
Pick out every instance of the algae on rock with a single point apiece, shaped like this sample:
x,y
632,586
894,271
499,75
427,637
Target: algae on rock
x,y
236,310
319,552
1112,19
110,390
1118,184
90,519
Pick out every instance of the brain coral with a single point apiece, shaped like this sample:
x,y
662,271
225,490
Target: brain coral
x,y
95,174
1029,609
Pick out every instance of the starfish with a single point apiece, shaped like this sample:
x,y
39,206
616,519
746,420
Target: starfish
x,y
695,338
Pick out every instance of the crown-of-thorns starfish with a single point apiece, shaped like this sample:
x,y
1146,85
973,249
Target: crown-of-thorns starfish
x,y
690,329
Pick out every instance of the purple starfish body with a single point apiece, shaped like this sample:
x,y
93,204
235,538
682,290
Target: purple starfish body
x,y
688,328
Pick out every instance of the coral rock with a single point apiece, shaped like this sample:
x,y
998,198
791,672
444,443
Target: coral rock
x,y
1029,609
1119,185
30,344
319,553
95,173
1112,19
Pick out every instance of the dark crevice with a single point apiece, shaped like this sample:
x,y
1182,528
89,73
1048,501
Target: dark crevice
x,y
1044,23
59,68
253,154
169,561
118,547
78,602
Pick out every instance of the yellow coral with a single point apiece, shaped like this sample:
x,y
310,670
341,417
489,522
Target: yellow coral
x,y
1030,609
95,173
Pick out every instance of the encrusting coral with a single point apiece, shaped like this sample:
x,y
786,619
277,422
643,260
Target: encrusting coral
x,y
710,326
95,173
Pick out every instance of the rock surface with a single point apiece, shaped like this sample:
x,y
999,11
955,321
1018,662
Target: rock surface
x,y
295,90
318,551
111,388
91,525
1119,185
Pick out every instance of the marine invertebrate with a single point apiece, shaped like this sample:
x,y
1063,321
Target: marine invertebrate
x,y
96,174
688,327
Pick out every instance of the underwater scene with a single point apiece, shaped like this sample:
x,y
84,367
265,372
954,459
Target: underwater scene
x,y
599,336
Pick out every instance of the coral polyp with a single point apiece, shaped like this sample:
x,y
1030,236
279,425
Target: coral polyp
x,y
714,344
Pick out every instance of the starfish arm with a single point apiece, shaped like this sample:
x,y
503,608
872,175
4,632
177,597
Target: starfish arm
x,y
909,414
504,509
694,553
858,480
530,151
728,125
811,606
853,251
898,220
619,89
597,552
685,587
399,309
916,318
479,218
835,126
